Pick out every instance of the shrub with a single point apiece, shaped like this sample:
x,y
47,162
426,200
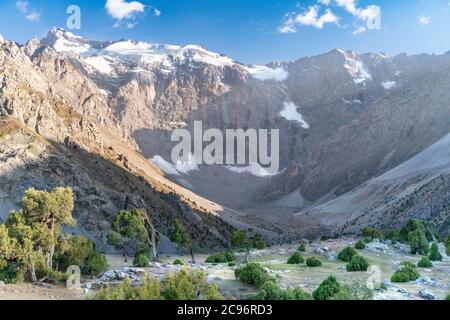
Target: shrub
x,y
425,263
79,251
114,239
141,260
394,236
178,262
223,257
253,274
270,291
302,248
434,253
372,233
448,297
231,264
95,265
347,254
11,272
258,242
406,273
357,263
407,264
150,289
418,242
327,289
324,238
189,285
313,262
296,258
447,244
360,245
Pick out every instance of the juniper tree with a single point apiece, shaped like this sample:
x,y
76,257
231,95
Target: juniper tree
x,y
180,236
51,209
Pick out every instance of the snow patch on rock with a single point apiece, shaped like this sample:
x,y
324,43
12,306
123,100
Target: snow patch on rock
x,y
388,85
253,169
290,112
265,73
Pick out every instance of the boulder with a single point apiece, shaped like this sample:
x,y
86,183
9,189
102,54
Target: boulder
x,y
427,295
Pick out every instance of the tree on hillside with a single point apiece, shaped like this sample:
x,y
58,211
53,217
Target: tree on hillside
x,y
180,236
33,241
51,209
133,229
240,240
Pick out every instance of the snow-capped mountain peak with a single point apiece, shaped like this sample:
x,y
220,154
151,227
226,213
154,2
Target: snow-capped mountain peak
x,y
106,56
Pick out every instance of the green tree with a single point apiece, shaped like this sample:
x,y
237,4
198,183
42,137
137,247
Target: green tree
x,y
79,251
134,229
418,242
313,262
434,253
240,240
189,286
425,263
296,258
180,236
301,248
347,254
52,209
328,289
360,245
357,263
253,274
32,242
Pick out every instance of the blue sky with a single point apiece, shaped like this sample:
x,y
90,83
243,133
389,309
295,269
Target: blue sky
x,y
250,31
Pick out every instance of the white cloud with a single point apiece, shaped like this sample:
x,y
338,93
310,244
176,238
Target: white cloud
x,y
351,6
308,18
359,31
121,9
424,20
22,6
157,12
33,16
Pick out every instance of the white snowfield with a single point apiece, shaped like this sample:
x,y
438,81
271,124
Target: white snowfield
x,y
178,169
388,85
254,169
164,57
290,112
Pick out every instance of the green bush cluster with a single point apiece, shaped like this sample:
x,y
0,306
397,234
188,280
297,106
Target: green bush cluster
x,y
347,254
185,285
141,260
79,251
425,263
313,262
360,245
406,273
301,248
328,289
178,262
372,233
296,258
223,257
253,274
357,263
272,292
